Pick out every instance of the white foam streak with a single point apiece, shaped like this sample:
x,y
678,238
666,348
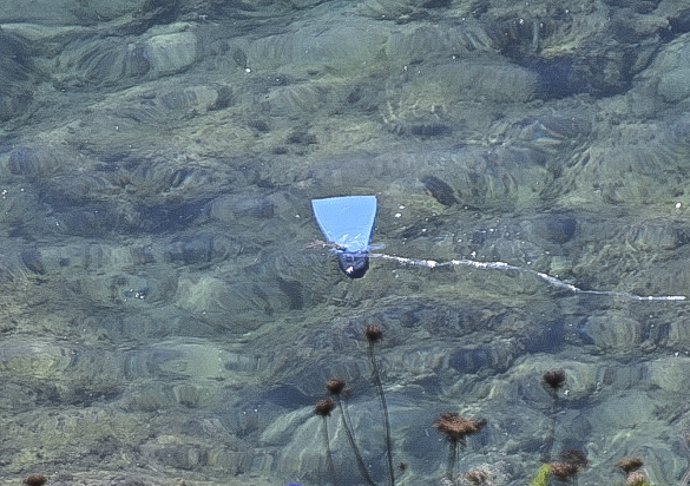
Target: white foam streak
x,y
503,266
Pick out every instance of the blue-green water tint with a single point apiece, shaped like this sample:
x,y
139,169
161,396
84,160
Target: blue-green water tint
x,y
166,317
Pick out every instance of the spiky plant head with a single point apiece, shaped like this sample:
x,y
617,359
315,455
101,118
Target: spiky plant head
x,y
323,408
35,480
637,478
477,477
373,333
554,379
335,386
455,427
574,456
629,464
564,470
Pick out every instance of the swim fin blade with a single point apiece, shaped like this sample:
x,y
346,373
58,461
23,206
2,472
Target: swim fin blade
x,y
348,223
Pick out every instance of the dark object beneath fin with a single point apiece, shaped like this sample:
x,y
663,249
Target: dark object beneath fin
x,y
354,265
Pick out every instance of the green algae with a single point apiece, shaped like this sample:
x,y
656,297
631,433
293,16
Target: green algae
x,y
542,477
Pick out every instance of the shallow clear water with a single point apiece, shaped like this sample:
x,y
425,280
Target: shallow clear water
x,y
166,315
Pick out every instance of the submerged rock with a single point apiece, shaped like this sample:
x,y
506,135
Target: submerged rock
x,y
170,53
120,60
17,75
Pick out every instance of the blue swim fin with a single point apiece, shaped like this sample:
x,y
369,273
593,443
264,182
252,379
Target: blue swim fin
x,y
348,223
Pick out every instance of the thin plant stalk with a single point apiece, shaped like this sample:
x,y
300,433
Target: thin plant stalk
x,y
329,455
452,458
685,480
456,428
551,438
384,407
552,380
363,470
454,448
